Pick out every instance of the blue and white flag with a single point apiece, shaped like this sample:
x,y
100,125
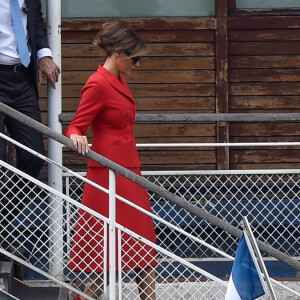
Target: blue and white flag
x,y
245,281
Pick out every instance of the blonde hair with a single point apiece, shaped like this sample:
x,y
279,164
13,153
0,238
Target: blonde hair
x,y
116,36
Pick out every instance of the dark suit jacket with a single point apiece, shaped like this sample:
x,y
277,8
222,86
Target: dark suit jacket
x,y
36,30
107,105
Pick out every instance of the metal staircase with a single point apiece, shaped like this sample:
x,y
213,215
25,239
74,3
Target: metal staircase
x,y
44,227
14,289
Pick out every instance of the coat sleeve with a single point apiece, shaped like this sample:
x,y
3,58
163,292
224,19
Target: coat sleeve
x,y
91,104
41,33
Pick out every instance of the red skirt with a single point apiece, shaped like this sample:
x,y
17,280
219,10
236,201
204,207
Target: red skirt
x,y
87,253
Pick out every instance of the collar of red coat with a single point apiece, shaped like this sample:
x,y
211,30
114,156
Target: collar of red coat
x,y
119,84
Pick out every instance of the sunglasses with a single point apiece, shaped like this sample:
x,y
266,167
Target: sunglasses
x,y
135,59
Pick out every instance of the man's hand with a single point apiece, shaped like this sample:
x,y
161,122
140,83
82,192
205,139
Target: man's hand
x,y
49,68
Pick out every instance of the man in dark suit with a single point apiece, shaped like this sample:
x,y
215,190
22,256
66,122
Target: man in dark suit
x,y
19,79
19,84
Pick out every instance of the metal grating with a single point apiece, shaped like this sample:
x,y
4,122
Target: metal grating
x,y
271,201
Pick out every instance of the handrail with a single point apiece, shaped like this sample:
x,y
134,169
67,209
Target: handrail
x,y
148,185
207,117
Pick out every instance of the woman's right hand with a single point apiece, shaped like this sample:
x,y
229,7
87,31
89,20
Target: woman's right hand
x,y
80,142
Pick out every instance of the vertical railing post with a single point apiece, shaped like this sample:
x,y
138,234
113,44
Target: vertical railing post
x,y
112,234
55,148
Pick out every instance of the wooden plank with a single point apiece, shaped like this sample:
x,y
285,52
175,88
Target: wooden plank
x,y
265,156
264,35
231,5
221,57
151,104
176,103
264,48
149,36
174,130
175,90
175,139
265,166
152,90
281,103
259,139
222,81
254,62
195,166
169,131
264,75
182,76
160,49
181,49
256,89
161,157
265,129
177,157
158,139
158,63
171,23
263,22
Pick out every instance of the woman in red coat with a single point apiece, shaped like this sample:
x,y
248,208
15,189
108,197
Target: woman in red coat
x,y
108,107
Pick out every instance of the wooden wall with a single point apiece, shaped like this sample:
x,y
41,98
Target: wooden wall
x,y
236,62
264,76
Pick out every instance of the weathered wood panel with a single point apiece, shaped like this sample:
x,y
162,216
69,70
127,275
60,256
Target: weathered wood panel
x,y
264,103
264,48
174,63
269,62
264,76
264,35
149,77
179,76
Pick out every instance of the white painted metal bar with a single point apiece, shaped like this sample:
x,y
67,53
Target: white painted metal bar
x,y
191,145
259,144
55,148
112,234
222,172
119,265
105,264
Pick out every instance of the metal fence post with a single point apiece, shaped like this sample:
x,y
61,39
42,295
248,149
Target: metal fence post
x,y
112,234
55,148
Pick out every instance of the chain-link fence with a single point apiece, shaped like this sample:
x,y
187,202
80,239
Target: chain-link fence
x,y
29,234
270,200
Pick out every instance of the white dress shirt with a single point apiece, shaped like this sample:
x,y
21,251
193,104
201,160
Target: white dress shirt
x,y
8,44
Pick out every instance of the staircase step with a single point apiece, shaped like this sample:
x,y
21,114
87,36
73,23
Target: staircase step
x,y
6,296
39,293
6,275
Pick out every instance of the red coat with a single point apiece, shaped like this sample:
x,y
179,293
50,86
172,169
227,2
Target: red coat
x,y
107,105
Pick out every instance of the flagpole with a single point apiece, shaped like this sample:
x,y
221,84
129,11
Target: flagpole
x,y
249,235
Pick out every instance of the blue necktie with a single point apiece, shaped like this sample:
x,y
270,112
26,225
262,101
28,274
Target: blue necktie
x,y
20,33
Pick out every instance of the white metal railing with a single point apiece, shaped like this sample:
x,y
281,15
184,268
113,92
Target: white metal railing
x,y
175,275
36,219
31,223
30,226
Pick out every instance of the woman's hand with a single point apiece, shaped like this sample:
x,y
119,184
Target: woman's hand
x,y
80,142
